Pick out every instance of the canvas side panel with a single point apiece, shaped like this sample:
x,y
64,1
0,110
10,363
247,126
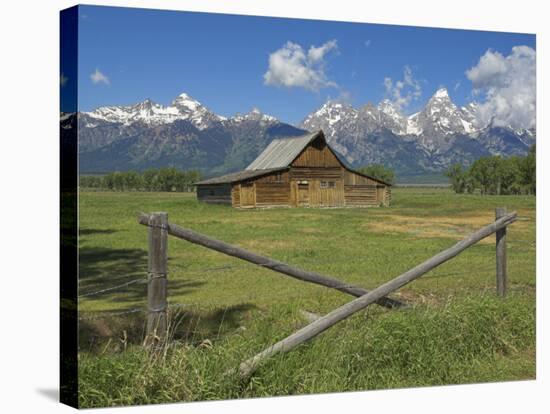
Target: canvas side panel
x,y
68,206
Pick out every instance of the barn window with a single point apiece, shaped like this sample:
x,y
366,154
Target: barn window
x,y
327,184
279,177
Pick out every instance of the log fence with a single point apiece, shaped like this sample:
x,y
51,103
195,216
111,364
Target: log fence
x,y
157,278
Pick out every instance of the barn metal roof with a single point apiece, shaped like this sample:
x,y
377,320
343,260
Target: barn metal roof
x,y
281,152
239,176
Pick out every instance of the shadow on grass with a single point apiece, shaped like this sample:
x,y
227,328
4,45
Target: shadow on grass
x,y
103,268
191,326
87,232
125,270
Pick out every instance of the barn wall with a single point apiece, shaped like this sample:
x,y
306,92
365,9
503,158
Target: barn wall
x,y
306,173
326,197
281,176
317,154
352,178
317,196
247,194
236,195
272,194
214,193
387,196
361,195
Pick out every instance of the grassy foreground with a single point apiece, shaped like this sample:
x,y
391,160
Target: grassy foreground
x,y
226,311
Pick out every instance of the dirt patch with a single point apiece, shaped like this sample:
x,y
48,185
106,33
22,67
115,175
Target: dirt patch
x,y
310,230
456,227
267,245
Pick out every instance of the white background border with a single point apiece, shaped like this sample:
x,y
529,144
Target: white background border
x,y
29,203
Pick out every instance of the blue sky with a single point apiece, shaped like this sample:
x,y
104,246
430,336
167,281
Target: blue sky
x,y
127,55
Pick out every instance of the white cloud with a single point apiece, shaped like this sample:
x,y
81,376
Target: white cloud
x,y
63,79
508,84
291,66
367,42
403,92
98,77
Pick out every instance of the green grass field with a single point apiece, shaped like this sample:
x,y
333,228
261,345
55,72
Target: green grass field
x,y
225,310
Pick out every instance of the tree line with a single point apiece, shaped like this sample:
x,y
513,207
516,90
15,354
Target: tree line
x,y
496,175
162,179
379,171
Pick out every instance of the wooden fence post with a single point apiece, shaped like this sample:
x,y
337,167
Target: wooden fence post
x,y
501,254
157,273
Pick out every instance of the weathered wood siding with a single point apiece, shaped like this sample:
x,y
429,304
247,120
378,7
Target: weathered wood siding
x,y
304,173
214,193
311,193
236,195
317,154
272,194
351,178
248,195
276,177
363,191
361,195
387,196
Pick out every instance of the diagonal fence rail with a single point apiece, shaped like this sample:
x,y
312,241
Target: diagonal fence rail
x,y
343,312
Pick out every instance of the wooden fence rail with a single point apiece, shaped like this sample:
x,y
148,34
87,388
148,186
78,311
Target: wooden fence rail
x,y
269,263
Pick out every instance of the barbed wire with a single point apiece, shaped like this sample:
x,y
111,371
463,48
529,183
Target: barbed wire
x,y
97,292
107,314
101,315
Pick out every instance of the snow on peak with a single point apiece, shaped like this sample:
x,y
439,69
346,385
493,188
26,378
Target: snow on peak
x,y
254,115
441,93
387,106
183,107
185,101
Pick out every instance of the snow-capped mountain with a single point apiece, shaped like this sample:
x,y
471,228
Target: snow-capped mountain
x,y
440,118
187,134
183,108
440,133
184,134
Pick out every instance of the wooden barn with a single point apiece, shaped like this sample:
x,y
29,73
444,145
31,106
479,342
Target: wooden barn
x,y
296,172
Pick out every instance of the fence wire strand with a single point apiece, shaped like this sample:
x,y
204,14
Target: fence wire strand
x,y
123,285
101,315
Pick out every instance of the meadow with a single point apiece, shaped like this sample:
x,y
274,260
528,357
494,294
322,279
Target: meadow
x,y
224,310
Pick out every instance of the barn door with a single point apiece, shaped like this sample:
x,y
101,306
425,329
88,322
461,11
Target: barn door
x,y
303,194
247,195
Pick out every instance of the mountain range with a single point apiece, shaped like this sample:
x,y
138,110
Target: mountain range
x,y
186,134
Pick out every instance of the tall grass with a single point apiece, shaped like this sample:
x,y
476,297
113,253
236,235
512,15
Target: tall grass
x,y
468,339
